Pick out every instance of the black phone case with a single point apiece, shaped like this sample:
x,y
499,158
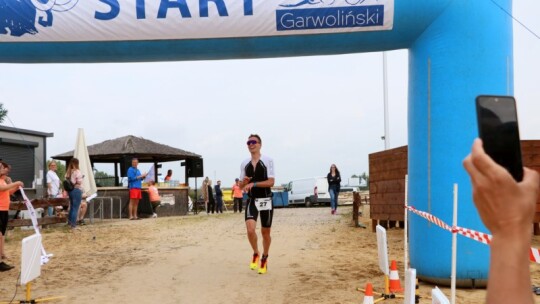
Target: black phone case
x,y
499,131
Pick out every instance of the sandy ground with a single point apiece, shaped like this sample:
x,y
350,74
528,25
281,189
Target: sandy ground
x,y
315,257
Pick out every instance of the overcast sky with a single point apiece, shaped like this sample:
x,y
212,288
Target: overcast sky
x,y
310,112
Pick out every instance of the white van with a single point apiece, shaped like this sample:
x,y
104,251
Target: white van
x,y
308,191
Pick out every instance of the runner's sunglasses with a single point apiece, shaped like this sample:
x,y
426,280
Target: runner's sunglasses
x,y
252,142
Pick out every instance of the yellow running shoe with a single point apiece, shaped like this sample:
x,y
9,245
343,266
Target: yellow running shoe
x,y
264,265
254,262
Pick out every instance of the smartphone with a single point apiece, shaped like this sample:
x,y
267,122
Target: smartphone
x,y
498,129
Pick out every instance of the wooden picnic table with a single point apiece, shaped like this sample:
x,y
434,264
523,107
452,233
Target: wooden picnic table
x,y
38,203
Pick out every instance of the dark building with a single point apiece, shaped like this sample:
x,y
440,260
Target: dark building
x,y
25,151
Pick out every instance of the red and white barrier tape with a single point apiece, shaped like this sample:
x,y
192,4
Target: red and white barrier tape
x,y
435,220
534,253
44,256
475,235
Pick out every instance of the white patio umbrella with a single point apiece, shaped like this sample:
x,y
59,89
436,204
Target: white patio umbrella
x,y
81,153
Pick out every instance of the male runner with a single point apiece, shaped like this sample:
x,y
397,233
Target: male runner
x,y
257,175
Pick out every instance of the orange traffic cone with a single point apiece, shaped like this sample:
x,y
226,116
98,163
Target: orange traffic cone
x,y
395,285
368,297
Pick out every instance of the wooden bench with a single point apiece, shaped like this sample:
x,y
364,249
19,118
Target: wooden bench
x,y
38,203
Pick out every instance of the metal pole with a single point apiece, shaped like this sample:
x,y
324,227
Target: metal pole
x,y
116,179
196,198
385,90
156,178
454,248
406,228
186,174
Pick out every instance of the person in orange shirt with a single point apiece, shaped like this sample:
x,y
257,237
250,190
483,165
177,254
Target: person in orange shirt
x,y
5,191
237,196
153,196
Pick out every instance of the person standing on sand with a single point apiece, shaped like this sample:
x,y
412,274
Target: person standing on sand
x,y
208,196
53,181
237,196
257,175
5,191
204,189
134,184
73,173
219,197
53,185
334,185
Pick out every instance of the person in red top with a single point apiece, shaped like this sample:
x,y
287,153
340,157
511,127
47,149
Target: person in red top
x,y
237,195
5,190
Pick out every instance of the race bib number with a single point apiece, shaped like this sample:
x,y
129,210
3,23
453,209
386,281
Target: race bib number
x,y
263,204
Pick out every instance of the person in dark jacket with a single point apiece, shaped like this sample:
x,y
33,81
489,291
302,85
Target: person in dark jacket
x,y
219,197
334,185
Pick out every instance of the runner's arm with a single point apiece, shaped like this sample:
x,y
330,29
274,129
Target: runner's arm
x,y
269,183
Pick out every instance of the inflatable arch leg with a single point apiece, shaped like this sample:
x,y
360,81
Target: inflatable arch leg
x,y
466,52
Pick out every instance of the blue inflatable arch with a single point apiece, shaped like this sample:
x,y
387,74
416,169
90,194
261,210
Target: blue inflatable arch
x,y
457,50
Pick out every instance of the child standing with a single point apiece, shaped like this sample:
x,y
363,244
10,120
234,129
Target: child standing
x,y
153,195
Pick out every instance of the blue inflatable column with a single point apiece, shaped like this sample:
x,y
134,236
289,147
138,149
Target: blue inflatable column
x,y
465,52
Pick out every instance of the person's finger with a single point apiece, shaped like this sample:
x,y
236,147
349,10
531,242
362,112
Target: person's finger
x,y
471,170
474,174
469,166
484,163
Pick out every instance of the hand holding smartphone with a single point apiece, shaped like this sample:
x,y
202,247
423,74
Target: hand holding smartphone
x,y
498,129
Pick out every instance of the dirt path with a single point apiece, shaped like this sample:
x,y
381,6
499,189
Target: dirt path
x,y
315,257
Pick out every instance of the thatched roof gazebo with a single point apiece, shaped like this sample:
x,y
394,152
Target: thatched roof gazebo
x,y
122,150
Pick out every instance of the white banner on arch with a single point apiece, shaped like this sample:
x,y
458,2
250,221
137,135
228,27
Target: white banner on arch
x,y
128,20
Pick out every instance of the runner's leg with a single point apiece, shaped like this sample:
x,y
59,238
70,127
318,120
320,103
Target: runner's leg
x,y
252,235
267,239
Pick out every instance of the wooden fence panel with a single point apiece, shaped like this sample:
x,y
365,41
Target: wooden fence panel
x,y
387,170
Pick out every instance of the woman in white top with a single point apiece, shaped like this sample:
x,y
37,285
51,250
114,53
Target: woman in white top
x,y
53,181
53,184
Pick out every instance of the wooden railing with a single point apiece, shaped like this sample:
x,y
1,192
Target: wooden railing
x,y
357,203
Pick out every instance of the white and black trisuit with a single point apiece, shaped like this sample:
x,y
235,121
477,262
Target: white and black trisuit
x,y
261,172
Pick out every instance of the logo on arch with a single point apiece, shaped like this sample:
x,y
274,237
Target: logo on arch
x,y
20,17
323,2
294,15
